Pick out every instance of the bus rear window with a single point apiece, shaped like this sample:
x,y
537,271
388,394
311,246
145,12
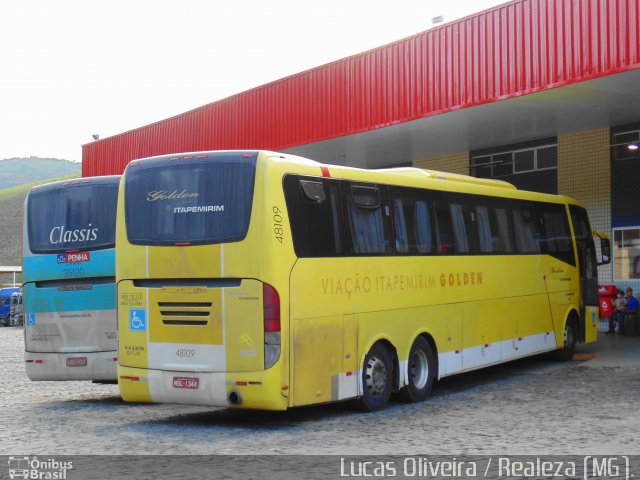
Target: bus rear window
x,y
189,201
76,217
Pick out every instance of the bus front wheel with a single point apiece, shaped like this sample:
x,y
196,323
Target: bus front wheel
x,y
421,367
569,343
376,379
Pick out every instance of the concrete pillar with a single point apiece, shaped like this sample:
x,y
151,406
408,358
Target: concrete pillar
x,y
457,162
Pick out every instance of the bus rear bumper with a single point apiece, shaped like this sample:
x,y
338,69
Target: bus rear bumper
x,y
254,390
72,366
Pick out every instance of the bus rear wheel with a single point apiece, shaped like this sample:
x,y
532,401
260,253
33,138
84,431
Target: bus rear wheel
x,y
376,379
421,366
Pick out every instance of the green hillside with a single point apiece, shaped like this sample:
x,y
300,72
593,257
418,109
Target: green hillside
x,y
20,171
12,206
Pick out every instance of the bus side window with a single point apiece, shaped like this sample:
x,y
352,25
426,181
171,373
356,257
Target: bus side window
x,y
459,229
422,227
412,222
557,237
524,227
400,226
313,205
485,235
504,232
587,259
446,240
336,218
456,222
365,220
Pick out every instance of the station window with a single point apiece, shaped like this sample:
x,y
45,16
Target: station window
x,y
625,145
516,161
625,196
626,252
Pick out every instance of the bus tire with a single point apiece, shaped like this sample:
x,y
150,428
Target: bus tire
x,y
376,379
570,334
421,366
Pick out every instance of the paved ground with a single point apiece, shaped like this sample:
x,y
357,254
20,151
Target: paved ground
x,y
528,407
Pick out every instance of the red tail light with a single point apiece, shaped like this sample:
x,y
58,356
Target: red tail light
x,y
271,305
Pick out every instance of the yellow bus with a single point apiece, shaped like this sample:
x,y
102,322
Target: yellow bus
x,y
262,280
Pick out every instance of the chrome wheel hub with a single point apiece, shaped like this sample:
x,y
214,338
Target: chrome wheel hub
x,y
419,369
376,376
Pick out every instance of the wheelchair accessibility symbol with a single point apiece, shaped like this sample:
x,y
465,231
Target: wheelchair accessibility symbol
x,y
138,319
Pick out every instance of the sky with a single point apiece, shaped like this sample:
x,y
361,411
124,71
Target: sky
x,y
73,68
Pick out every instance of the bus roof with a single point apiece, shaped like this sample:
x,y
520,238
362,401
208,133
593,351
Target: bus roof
x,y
8,291
414,172
432,179
102,180
411,176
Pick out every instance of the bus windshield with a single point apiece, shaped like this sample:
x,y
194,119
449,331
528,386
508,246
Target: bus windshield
x,y
80,217
192,201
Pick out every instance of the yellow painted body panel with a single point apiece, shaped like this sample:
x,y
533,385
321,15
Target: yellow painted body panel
x,y
591,320
244,339
133,346
318,350
133,387
259,390
460,302
477,309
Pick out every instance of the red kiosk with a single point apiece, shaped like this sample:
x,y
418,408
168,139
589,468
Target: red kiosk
x,y
607,296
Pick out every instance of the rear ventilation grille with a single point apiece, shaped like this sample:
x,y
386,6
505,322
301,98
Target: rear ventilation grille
x,y
190,314
185,304
188,322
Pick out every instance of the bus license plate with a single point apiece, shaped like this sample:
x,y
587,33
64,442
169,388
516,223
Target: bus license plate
x,y
186,382
77,362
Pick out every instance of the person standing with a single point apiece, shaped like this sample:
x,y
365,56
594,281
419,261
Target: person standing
x,y
632,302
615,319
631,308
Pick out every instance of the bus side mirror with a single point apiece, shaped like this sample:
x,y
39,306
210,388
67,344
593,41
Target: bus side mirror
x,y
605,249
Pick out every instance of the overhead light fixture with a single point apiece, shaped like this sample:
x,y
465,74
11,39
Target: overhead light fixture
x,y
633,147
436,20
95,136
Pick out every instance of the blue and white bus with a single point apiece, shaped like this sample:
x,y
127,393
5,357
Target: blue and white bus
x,y
5,305
69,280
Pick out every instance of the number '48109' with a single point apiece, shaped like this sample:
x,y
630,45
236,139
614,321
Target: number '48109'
x,y
278,227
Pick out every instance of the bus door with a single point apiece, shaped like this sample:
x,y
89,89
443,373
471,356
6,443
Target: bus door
x,y
588,264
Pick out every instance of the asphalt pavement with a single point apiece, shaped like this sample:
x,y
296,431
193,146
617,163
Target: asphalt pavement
x,y
531,406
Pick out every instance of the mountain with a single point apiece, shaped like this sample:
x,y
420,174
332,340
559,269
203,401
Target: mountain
x,y
18,171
